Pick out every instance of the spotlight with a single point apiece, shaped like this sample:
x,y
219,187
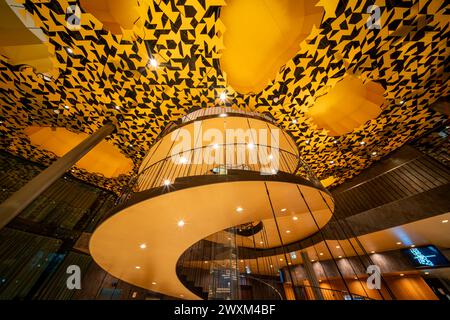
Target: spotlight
x,y
223,96
167,182
294,121
138,267
143,246
239,209
69,51
295,218
181,223
444,221
223,115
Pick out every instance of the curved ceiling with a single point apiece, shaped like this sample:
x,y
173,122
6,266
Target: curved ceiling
x,y
107,78
104,158
118,251
261,36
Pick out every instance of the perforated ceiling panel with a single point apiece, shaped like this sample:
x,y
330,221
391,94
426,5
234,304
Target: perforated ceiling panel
x,y
407,56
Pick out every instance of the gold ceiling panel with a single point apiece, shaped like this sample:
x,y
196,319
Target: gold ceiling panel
x,y
407,56
105,158
261,36
348,105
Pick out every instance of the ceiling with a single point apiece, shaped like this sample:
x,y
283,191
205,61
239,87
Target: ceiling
x,y
106,76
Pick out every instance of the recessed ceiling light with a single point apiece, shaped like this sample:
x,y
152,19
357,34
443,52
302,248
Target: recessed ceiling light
x,y
153,283
356,278
295,218
229,238
289,263
242,260
250,145
307,141
313,260
402,274
270,156
223,115
335,141
337,247
153,62
283,210
223,96
143,246
239,209
271,266
261,242
206,262
130,145
331,162
167,182
444,221
137,267
402,102
426,272
373,251
288,231
281,259
399,242
374,153
66,107
181,295
294,121
181,223
321,254
340,257
362,143
117,107
69,50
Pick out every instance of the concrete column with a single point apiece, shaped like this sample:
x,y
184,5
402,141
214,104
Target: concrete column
x,y
311,276
18,201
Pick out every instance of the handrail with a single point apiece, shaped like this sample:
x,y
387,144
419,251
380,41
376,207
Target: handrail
x,y
167,169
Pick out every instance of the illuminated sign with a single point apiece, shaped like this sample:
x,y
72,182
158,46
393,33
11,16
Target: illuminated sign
x,y
426,257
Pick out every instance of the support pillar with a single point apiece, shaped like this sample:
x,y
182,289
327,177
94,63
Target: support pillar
x,y
18,201
309,270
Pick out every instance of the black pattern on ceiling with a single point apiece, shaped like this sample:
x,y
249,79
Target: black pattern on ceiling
x,y
408,56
